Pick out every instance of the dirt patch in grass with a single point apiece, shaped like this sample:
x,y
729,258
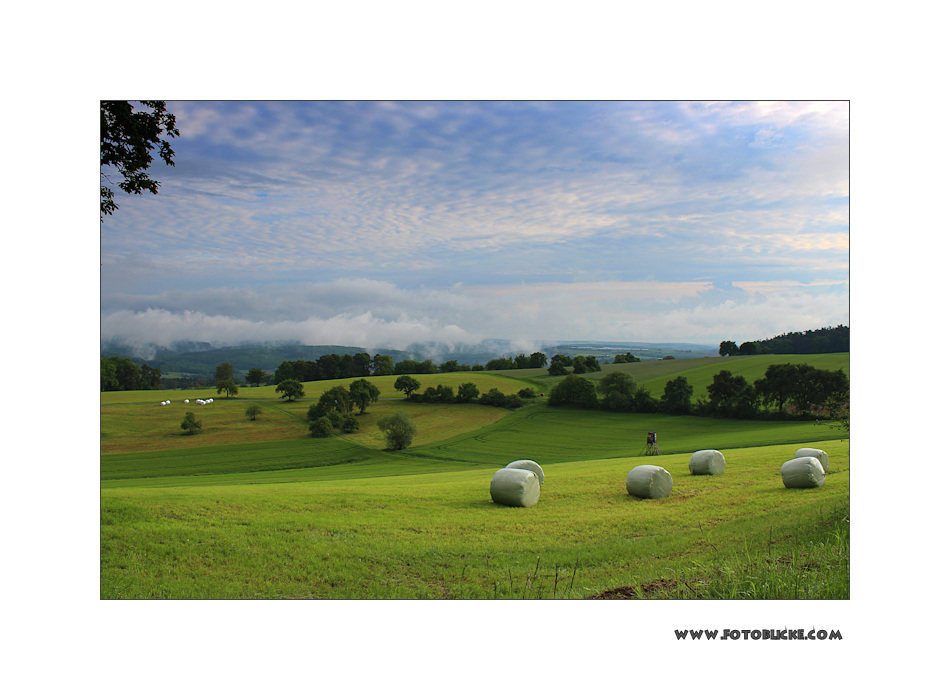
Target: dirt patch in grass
x,y
647,590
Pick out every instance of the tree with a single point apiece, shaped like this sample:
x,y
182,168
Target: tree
x,y
398,429
190,424
467,392
253,411
363,393
407,385
350,423
228,387
575,390
537,360
500,363
127,137
749,348
284,372
382,364
321,427
676,396
618,389
643,402
151,377
731,396
256,376
778,384
119,374
335,399
727,347
108,379
290,389
223,372
625,357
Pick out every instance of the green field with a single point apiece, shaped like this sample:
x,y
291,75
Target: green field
x,y
259,510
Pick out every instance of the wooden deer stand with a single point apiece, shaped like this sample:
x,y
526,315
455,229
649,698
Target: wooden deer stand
x,y
651,447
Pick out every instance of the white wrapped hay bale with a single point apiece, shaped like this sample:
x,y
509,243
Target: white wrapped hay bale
x,y
803,473
820,455
649,481
707,462
530,466
515,487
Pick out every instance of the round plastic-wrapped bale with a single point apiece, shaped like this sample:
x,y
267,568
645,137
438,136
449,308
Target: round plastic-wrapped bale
x,y
649,481
530,466
820,455
709,462
803,473
515,487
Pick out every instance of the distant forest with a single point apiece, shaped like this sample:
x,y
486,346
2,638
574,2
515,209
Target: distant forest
x,y
830,339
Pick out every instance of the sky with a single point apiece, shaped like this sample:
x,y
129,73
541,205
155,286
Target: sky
x,y
382,224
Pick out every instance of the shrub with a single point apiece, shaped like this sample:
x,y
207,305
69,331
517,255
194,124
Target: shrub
x,y
398,429
190,424
253,411
321,427
350,424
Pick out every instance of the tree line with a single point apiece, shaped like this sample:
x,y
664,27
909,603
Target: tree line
x,y
829,339
121,374
795,390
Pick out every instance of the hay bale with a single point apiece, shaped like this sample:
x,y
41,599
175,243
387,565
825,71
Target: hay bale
x,y
515,487
820,455
803,473
709,462
530,466
649,481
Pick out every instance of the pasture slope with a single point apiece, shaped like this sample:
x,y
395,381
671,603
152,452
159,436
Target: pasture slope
x,y
258,510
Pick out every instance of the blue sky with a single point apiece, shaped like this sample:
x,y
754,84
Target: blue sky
x,y
380,224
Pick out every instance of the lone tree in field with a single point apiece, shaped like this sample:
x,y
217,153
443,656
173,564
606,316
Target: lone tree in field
x,y
190,424
127,137
407,384
290,389
253,411
398,430
228,387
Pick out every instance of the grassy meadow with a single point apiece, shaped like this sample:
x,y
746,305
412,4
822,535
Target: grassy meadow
x,y
257,509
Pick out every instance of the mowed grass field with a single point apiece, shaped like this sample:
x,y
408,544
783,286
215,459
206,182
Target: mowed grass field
x,y
438,535
260,510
